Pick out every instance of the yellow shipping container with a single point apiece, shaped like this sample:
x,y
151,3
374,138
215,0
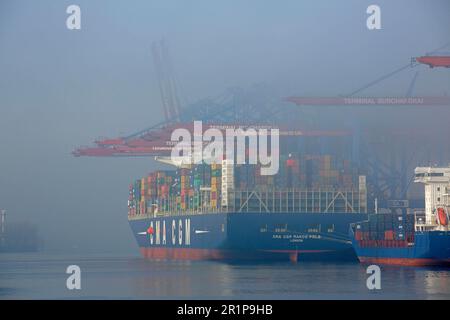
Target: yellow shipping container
x,y
334,173
161,175
327,162
329,173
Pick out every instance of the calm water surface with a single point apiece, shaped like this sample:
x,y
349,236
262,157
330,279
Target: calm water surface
x,y
42,276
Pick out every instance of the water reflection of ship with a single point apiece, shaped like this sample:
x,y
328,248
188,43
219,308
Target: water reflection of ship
x,y
17,236
2,227
437,282
188,279
424,282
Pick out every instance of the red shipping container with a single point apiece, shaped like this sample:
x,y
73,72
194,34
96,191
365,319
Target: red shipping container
x,y
291,163
389,235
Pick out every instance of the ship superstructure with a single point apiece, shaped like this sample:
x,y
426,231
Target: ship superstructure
x,y
437,189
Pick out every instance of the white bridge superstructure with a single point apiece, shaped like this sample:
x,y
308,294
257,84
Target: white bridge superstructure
x,y
437,190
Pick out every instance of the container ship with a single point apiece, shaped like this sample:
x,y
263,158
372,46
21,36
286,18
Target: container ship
x,y
225,211
416,239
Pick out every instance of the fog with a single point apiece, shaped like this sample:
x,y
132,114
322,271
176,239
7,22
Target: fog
x,y
61,88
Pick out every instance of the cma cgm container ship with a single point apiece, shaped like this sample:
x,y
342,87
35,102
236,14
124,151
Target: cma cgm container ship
x,y
226,211
422,238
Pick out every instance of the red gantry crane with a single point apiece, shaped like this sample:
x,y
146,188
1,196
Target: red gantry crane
x,y
390,181
435,61
390,140
155,141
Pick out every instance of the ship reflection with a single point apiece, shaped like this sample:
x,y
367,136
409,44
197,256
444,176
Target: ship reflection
x,y
415,282
219,280
172,279
437,283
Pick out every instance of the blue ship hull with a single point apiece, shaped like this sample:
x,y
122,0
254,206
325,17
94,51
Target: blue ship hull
x,y
428,248
229,236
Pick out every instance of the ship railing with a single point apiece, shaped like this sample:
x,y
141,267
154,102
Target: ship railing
x,y
274,201
421,223
419,216
425,227
298,200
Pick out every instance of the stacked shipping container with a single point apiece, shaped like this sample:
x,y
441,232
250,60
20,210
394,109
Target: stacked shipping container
x,y
386,230
201,185
216,184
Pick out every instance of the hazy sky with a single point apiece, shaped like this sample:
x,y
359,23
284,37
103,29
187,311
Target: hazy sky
x,y
60,88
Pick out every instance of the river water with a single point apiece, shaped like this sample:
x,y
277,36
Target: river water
x,y
43,276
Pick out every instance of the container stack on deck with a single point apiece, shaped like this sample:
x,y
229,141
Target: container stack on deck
x,y
386,230
216,184
201,186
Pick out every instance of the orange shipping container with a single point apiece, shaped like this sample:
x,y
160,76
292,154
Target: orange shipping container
x,y
326,162
389,235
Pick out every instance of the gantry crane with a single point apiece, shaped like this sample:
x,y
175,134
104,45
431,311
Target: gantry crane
x,y
387,171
